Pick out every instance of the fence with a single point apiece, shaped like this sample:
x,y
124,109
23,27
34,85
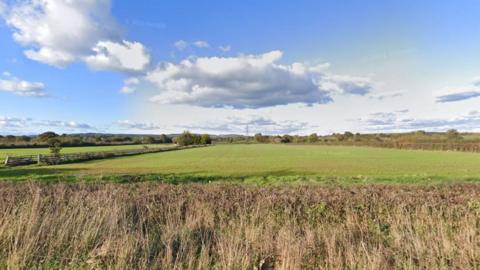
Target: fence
x,y
76,157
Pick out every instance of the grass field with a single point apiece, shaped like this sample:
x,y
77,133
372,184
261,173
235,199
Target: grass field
x,y
281,162
44,151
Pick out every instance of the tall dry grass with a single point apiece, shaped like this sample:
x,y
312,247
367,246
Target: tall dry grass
x,y
227,226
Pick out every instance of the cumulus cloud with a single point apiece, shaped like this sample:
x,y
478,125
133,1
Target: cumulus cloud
x,y
249,81
125,56
132,125
21,87
59,32
398,121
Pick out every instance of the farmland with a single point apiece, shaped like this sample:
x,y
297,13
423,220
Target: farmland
x,y
44,151
245,206
267,162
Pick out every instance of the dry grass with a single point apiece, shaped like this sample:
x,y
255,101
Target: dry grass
x,y
227,226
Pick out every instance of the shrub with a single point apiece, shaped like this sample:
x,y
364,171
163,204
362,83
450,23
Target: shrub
x,y
55,146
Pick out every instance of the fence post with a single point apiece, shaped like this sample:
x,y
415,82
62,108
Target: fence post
x,y
39,159
6,160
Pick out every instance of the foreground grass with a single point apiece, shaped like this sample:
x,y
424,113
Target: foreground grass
x,y
227,226
272,163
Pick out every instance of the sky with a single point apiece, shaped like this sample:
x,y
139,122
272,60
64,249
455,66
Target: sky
x,y
278,67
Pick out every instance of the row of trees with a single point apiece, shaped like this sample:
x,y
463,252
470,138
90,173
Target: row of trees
x,y
41,140
451,135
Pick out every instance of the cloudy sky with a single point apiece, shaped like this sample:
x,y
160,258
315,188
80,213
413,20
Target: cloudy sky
x,y
219,66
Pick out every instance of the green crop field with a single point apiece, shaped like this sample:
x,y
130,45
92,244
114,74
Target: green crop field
x,y
284,162
35,151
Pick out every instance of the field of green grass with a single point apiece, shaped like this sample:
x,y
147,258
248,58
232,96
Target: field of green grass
x,y
269,162
81,149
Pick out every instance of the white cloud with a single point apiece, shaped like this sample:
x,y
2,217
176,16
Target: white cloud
x,y
201,44
3,7
225,48
249,81
69,125
181,45
398,121
11,122
460,94
21,87
132,125
20,125
125,56
255,124
385,95
346,84
129,85
60,32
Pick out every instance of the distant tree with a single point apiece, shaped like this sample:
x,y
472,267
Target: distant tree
x,y
164,139
287,139
259,137
47,135
205,139
420,132
340,137
313,138
55,146
348,134
149,140
453,134
24,139
184,139
197,139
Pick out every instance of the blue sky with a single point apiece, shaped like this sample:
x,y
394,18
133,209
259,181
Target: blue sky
x,y
216,66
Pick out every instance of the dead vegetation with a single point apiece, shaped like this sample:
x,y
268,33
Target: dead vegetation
x,y
227,226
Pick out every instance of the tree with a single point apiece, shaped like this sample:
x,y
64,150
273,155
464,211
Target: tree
x,y
258,137
164,139
47,135
453,134
205,139
313,138
184,139
55,146
286,139
149,140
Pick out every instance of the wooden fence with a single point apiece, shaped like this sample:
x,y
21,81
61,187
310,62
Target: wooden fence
x,y
77,157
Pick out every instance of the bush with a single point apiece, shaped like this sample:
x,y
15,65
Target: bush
x,y
184,139
205,139
55,146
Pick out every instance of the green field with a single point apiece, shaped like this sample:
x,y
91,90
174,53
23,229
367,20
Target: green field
x,y
279,162
44,151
